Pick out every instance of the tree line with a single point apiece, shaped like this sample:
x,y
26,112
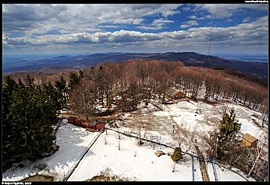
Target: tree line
x,y
135,80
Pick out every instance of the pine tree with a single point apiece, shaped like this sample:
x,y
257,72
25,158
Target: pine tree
x,y
81,74
227,133
29,82
28,113
61,89
8,88
74,79
52,95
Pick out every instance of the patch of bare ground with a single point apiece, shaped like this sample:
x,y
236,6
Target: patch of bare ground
x,y
256,116
225,101
256,123
209,102
105,178
244,105
39,178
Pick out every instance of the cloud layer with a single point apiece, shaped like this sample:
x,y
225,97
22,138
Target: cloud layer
x,y
129,25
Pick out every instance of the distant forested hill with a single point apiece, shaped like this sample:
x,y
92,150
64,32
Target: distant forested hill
x,y
255,69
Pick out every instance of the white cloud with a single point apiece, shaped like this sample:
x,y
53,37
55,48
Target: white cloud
x,y
185,26
228,10
192,22
156,24
33,18
247,19
255,32
192,17
200,18
189,24
127,21
84,25
161,22
150,27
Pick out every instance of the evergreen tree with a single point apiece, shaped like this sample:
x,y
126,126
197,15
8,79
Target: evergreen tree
x,y
74,79
61,90
52,95
177,154
227,134
7,89
29,82
81,74
28,113
20,83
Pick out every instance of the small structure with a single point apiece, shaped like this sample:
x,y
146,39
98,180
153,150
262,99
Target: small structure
x,y
100,126
85,123
77,121
71,120
95,125
173,95
92,125
249,140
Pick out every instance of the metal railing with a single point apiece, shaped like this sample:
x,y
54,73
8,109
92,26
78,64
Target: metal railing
x,y
76,163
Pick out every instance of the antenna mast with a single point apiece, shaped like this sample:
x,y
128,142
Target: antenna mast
x,y
212,30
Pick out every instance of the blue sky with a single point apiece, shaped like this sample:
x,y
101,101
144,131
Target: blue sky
x,y
83,28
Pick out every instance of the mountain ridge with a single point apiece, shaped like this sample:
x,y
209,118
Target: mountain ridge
x,y
255,69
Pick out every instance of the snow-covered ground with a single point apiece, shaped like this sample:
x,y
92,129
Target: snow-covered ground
x,y
145,165
71,140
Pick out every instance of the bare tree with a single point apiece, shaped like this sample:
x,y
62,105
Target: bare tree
x,y
184,135
162,82
211,139
143,124
83,97
264,111
260,156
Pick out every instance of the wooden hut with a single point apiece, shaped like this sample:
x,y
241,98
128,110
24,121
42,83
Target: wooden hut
x,y
173,95
249,140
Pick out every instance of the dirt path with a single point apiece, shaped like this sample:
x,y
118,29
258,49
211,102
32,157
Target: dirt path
x,y
158,107
205,176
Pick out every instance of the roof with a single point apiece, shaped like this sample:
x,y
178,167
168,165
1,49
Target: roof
x,y
172,92
249,138
93,123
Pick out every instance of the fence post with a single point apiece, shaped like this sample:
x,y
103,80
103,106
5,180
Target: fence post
x,y
214,168
193,178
